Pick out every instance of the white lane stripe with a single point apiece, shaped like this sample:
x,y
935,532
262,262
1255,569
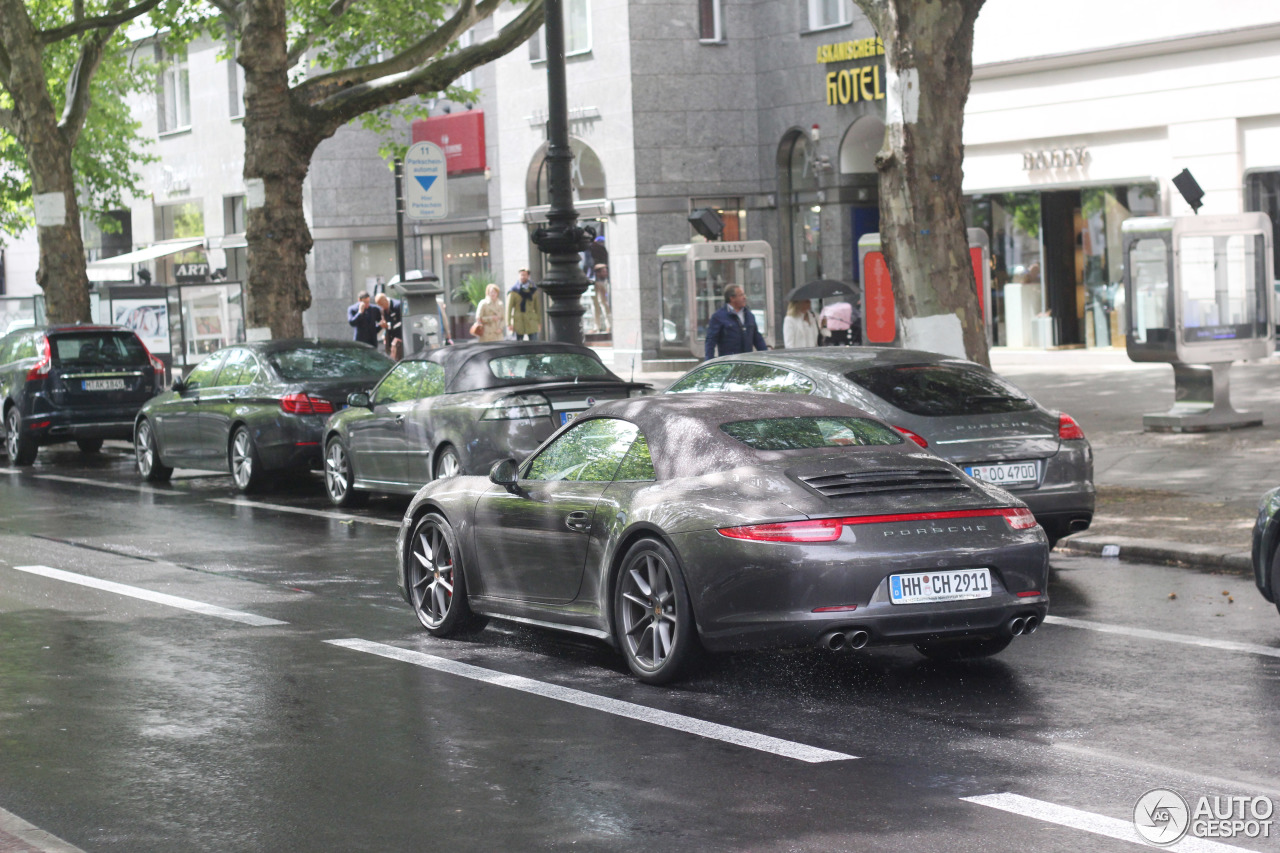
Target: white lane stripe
x,y
1145,634
15,827
10,470
148,595
132,487
666,719
1089,822
318,513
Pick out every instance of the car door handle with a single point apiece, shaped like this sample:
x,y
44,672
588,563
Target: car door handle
x,y
579,521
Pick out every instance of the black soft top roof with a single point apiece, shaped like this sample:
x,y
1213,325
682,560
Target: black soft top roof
x,y
466,366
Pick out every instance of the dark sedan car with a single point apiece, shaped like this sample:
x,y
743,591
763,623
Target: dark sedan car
x,y
459,409
958,409
1266,547
728,521
72,383
253,408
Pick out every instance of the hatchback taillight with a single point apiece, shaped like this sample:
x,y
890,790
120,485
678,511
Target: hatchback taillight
x,y
1068,428
911,435
305,404
40,370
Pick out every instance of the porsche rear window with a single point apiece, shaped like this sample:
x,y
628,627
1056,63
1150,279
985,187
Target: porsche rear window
x,y
939,390
810,433
545,366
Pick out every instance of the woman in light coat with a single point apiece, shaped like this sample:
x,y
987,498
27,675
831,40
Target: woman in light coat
x,y
491,314
799,327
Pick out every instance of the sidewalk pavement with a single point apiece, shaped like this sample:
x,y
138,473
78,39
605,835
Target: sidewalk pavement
x,y
1179,499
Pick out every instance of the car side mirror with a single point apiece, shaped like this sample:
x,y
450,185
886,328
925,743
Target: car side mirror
x,y
178,385
358,399
505,473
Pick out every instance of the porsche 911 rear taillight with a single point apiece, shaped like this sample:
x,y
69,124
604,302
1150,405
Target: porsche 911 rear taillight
x,y
1068,428
911,435
40,370
305,404
829,529
1019,518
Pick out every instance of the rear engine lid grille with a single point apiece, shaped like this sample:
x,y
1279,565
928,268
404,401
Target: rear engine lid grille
x,y
863,483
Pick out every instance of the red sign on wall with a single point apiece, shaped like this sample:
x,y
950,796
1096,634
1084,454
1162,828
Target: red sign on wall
x,y
459,135
975,256
877,300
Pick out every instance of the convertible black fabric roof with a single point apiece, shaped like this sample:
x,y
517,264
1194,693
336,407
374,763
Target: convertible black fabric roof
x,y
684,432
466,366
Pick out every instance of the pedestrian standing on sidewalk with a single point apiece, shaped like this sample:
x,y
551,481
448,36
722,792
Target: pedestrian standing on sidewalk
x,y
524,309
799,327
364,319
837,319
392,324
490,315
733,328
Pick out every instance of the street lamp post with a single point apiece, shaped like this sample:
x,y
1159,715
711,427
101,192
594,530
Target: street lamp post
x,y
562,239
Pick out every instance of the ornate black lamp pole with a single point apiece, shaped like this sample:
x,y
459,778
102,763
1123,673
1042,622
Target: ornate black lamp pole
x,y
562,239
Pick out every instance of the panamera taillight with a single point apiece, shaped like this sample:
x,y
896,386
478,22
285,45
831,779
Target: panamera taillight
x,y
1068,428
829,529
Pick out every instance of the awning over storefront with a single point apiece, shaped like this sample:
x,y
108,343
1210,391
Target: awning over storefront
x,y
120,267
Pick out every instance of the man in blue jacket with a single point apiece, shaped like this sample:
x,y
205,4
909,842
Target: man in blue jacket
x,y
733,328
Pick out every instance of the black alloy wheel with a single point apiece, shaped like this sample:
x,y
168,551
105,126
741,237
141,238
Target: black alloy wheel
x,y
89,445
147,454
246,467
652,614
338,475
21,448
949,650
436,583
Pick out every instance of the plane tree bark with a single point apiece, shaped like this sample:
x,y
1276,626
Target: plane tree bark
x,y
928,50
286,118
48,135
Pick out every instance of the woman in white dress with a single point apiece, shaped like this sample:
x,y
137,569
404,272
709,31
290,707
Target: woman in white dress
x,y
799,327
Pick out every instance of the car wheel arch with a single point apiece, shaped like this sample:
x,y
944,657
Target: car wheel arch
x,y
636,533
438,451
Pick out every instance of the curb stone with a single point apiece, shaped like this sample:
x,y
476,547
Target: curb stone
x,y
1163,551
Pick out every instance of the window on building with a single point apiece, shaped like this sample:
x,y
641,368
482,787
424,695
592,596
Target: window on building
x,y
823,14
102,240
711,21
174,91
1262,194
235,85
586,177
175,222
577,32
233,221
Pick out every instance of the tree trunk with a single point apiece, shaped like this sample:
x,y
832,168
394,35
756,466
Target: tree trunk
x,y
928,46
61,273
279,142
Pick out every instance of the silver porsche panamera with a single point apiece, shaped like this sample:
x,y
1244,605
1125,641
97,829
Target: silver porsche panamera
x,y
958,409
664,525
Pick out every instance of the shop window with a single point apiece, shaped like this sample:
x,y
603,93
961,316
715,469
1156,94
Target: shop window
x,y
1262,194
174,91
177,222
824,14
577,32
711,21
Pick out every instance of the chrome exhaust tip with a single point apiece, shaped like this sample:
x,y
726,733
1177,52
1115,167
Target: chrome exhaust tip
x,y
1017,625
858,639
1030,626
832,641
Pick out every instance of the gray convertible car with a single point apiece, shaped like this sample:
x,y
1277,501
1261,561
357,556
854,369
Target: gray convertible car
x,y
459,409
728,521
958,409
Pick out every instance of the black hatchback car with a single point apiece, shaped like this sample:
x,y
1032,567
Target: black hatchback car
x,y
249,409
73,383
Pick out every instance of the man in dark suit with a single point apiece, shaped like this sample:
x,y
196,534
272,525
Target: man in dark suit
x,y
733,328
365,320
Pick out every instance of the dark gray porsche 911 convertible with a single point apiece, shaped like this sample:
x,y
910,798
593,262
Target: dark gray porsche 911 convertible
x,y
728,521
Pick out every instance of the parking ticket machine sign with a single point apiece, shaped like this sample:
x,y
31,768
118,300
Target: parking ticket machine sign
x,y
426,191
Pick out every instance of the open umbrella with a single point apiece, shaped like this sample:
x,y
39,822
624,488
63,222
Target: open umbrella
x,y
823,288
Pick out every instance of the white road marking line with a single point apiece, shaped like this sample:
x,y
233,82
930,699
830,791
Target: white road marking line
x,y
1143,633
14,827
318,513
154,597
11,470
666,719
1122,830
132,487
1239,785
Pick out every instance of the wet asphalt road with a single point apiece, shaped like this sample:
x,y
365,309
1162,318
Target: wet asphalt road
x,y
134,725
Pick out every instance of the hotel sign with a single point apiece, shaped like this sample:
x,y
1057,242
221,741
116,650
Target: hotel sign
x,y
851,85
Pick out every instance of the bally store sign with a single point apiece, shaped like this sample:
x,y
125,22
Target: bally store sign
x,y
1054,158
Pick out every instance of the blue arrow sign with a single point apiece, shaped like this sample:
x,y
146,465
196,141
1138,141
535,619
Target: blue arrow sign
x,y
426,193
426,181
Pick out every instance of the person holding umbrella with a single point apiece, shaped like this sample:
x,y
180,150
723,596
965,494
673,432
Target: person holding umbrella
x,y
800,326
839,318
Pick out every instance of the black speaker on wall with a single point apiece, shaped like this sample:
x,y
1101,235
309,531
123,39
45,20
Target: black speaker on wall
x,y
707,223
1189,188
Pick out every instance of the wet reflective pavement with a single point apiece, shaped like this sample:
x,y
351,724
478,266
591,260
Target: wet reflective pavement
x,y
132,721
